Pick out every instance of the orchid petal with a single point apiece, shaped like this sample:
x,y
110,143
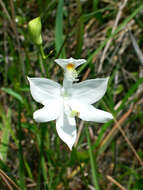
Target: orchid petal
x,y
44,90
90,113
48,113
64,62
90,91
66,129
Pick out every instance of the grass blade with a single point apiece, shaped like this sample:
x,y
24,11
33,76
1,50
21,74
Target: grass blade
x,y
14,94
92,162
5,134
59,28
20,152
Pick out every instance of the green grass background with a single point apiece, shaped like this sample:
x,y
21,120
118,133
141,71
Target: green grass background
x,y
32,157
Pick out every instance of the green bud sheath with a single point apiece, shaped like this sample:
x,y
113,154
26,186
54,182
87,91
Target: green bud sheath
x,y
34,28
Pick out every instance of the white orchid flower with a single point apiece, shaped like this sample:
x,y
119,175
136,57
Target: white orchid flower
x,y
63,103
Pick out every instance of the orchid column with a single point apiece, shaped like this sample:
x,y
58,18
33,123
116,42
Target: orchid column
x,y
66,126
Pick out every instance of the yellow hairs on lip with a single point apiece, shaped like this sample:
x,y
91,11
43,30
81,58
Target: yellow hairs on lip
x,y
70,66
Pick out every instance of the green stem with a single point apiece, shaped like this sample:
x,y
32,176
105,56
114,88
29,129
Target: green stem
x,y
42,52
42,165
92,162
20,151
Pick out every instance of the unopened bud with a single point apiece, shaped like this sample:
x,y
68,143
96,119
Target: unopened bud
x,y
34,28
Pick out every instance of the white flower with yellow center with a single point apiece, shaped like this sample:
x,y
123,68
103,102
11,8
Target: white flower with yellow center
x,y
63,103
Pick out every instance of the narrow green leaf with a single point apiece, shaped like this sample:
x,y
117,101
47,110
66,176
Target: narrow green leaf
x,y
90,15
98,15
20,152
14,94
92,162
5,129
80,32
59,28
4,142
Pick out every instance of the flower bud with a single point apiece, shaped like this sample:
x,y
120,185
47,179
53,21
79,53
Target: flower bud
x,y
34,28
